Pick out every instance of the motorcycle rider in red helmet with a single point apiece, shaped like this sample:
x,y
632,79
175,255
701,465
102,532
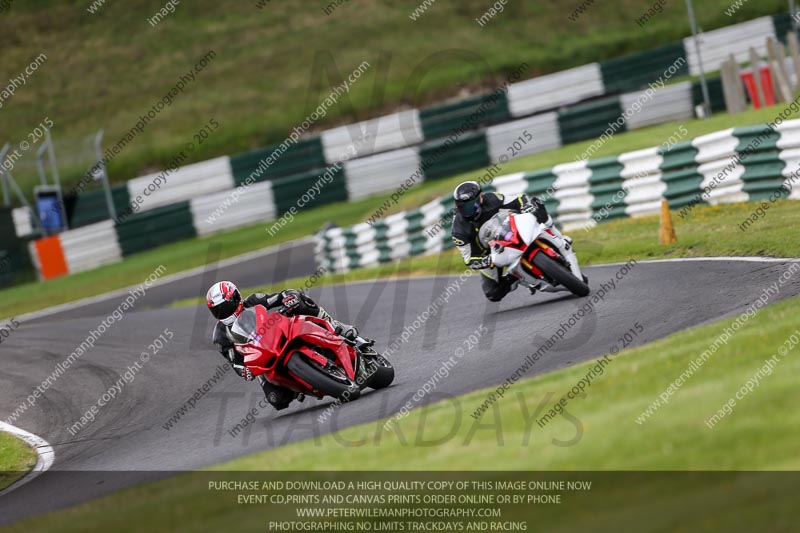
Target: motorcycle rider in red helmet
x,y
226,304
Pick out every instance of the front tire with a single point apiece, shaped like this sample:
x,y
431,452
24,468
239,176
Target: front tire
x,y
339,387
560,274
382,373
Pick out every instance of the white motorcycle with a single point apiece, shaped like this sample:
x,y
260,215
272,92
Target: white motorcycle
x,y
537,256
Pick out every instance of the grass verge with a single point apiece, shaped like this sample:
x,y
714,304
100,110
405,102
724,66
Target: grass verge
x,y
16,459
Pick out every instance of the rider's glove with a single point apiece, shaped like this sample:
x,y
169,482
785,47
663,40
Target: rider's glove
x,y
480,263
537,208
290,299
244,372
345,330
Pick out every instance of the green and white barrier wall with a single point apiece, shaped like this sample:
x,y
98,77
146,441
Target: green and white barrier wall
x,y
735,165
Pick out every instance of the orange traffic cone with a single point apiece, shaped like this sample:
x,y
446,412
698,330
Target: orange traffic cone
x,y
666,233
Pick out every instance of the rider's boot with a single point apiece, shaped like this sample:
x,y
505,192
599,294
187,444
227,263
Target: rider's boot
x,y
509,282
278,397
364,345
345,330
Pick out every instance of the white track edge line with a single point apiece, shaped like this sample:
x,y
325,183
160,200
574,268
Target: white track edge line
x,y
44,452
745,259
178,276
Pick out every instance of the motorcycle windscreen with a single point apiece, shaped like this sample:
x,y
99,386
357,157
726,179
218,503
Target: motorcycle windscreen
x,y
245,327
489,230
258,326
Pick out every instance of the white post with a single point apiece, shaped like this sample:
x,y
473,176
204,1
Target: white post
x,y
703,82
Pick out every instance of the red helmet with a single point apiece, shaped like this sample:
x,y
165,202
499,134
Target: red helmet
x,y
225,302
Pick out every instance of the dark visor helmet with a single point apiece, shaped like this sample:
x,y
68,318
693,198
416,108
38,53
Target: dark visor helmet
x,y
468,200
225,302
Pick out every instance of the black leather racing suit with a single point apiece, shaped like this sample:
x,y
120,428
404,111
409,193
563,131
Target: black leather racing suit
x,y
288,302
465,236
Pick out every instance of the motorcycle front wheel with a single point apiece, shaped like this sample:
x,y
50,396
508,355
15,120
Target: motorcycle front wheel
x,y
381,372
332,383
560,274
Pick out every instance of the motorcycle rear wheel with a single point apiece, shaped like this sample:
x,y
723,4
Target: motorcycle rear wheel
x,y
322,381
560,274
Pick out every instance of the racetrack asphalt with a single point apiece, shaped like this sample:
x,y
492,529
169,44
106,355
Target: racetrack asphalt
x,y
128,433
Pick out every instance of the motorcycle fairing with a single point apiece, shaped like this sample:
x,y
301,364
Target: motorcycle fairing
x,y
275,337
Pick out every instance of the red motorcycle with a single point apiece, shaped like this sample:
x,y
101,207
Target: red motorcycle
x,y
305,354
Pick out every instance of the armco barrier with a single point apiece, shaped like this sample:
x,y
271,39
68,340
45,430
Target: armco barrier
x,y
670,103
22,221
555,90
735,165
589,121
635,71
680,174
717,45
543,130
763,171
728,166
185,183
313,188
91,206
299,157
642,175
474,112
380,173
257,203
76,250
380,134
91,246
150,229
445,157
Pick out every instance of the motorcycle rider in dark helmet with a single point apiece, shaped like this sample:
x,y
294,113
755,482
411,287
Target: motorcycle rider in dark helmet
x,y
226,304
473,209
